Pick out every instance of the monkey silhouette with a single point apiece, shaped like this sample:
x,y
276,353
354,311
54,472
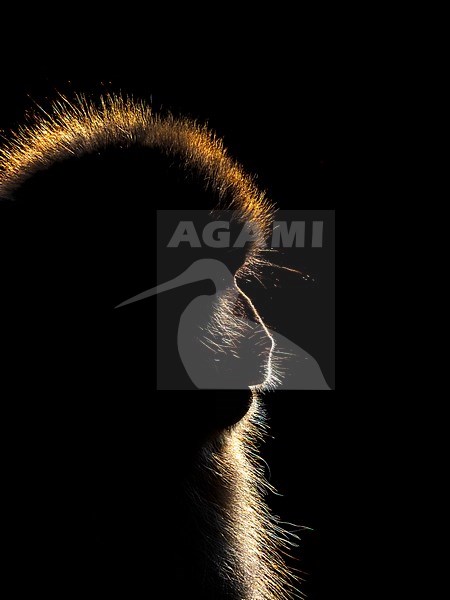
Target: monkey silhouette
x,y
128,492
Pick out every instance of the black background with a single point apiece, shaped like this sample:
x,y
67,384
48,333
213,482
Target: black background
x,y
285,121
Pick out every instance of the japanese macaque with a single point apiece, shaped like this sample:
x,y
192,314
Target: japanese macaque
x,y
154,493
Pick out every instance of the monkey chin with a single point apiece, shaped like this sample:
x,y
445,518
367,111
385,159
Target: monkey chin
x,y
239,545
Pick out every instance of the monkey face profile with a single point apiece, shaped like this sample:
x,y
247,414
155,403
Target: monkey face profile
x,y
170,486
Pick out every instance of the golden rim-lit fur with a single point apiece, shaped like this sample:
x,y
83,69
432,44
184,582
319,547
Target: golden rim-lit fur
x,y
247,550
83,126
